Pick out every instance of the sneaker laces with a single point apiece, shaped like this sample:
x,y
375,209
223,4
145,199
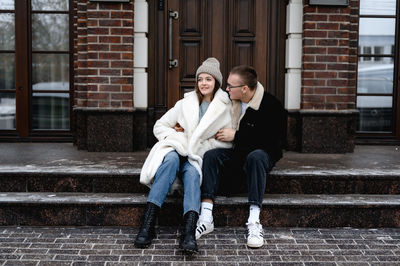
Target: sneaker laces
x,y
254,230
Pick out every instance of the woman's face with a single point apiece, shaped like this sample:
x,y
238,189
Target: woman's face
x,y
206,84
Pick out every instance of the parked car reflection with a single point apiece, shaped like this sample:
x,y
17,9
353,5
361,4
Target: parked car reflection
x,y
375,111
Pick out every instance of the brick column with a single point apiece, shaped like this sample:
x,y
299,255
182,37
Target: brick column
x,y
329,78
103,70
328,67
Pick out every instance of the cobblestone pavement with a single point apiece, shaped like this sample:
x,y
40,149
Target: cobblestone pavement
x,y
225,246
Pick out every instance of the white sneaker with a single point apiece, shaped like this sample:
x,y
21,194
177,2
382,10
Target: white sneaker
x,y
203,228
255,235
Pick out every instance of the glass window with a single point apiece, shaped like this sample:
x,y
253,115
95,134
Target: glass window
x,y
54,5
50,111
378,50
7,5
50,72
367,50
375,87
7,31
377,7
375,78
7,111
375,114
50,32
377,32
7,71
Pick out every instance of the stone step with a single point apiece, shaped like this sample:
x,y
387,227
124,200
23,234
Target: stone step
x,y
127,181
279,210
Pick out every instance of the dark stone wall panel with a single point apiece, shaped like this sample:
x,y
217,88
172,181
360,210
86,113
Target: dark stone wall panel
x,y
110,132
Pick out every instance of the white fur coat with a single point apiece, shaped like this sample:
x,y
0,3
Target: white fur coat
x,y
196,139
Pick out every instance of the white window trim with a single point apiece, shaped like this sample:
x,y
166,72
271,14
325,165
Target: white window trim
x,y
140,54
294,31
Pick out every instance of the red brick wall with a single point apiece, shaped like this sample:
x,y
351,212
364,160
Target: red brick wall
x,y
329,57
103,54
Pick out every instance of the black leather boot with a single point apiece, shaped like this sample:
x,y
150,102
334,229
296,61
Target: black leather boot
x,y
188,240
147,230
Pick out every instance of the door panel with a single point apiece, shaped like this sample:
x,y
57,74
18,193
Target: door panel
x,y
191,22
234,31
190,59
244,24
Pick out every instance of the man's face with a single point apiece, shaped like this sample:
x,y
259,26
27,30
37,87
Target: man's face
x,y
234,87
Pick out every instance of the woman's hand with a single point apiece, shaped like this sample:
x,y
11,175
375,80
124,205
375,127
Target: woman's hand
x,y
225,134
178,128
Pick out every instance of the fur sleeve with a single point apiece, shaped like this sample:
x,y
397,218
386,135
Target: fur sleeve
x,y
165,125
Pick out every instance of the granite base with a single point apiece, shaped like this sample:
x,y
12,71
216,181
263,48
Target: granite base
x,y
322,131
110,130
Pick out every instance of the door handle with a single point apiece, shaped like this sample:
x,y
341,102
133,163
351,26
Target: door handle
x,y
172,62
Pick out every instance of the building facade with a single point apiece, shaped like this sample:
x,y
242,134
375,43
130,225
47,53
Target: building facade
x,y
100,73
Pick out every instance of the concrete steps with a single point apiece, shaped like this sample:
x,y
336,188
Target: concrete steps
x,y
56,184
279,182
279,210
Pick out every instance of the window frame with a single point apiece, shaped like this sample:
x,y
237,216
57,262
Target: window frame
x,y
23,51
394,136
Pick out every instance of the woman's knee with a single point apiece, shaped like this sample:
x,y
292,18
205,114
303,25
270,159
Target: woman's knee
x,y
171,158
191,174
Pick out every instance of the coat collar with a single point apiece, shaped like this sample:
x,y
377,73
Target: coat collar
x,y
190,107
255,102
218,106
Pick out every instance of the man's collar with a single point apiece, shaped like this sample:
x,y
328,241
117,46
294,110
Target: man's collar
x,y
255,102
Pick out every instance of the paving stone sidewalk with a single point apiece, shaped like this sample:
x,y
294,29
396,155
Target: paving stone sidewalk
x,y
225,246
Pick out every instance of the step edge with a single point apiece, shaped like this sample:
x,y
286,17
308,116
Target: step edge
x,y
275,173
298,200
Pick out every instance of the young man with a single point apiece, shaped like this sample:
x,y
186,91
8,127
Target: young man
x,y
260,121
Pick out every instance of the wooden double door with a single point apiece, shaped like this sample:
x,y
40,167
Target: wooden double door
x,y
183,33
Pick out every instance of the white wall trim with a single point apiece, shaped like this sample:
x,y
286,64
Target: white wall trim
x,y
293,62
140,53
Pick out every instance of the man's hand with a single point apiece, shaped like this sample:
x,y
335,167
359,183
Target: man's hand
x,y
225,134
178,128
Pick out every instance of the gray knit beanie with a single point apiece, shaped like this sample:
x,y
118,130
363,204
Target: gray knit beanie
x,y
210,66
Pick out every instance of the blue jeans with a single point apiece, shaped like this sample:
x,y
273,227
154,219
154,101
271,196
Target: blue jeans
x,y
172,166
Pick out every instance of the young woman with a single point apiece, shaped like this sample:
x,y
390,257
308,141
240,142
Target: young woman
x,y
184,134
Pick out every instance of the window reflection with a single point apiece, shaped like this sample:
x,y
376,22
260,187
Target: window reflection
x,y
376,66
7,71
50,111
7,111
375,114
375,78
55,5
380,7
50,72
50,32
377,32
7,32
7,5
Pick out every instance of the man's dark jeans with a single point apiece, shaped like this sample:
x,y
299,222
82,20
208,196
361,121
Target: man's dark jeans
x,y
256,167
